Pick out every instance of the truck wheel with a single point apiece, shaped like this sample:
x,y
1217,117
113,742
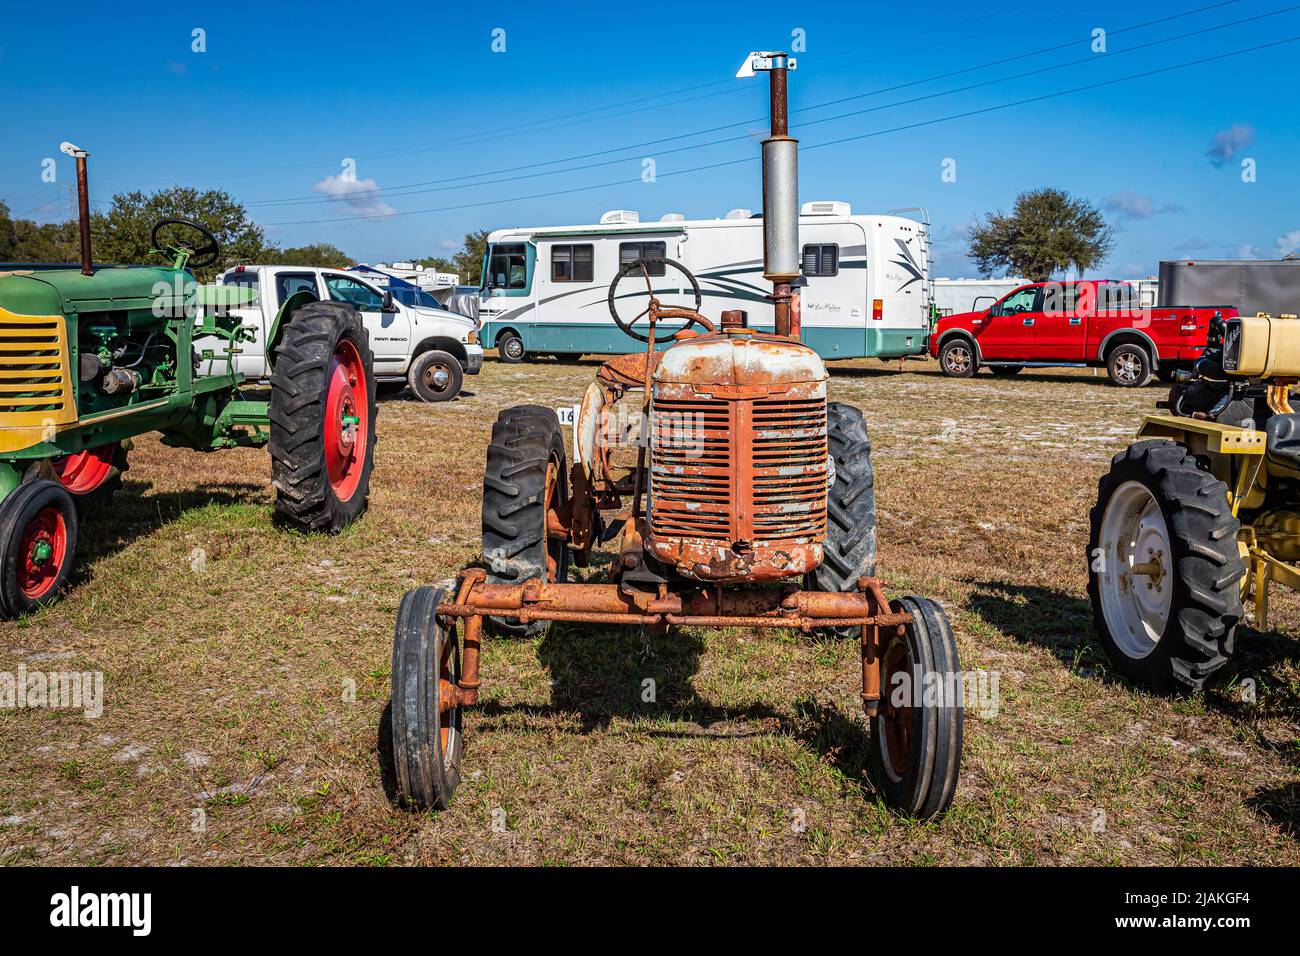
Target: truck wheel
x,y
526,479
850,548
323,418
1129,366
957,359
1006,371
38,539
427,739
511,348
916,736
1164,569
435,376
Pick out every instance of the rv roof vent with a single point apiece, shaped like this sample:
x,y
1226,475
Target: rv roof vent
x,y
615,216
825,207
672,217
739,214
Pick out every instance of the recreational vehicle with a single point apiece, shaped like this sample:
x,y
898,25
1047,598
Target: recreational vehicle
x,y
867,291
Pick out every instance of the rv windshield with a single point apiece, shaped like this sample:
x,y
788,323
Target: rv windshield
x,y
507,267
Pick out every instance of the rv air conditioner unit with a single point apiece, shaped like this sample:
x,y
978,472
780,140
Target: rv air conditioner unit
x,y
825,207
739,214
616,216
672,217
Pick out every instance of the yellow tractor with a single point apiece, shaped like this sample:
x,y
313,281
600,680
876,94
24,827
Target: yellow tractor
x,y
1204,512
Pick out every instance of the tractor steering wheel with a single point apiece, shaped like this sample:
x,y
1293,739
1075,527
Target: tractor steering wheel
x,y
183,251
692,316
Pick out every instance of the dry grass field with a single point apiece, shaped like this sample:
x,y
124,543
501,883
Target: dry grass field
x,y
229,673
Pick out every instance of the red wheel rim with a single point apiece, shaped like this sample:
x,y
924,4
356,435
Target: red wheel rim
x,y
896,718
347,419
83,472
42,551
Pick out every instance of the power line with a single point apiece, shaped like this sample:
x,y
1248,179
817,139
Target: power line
x,y
410,189
835,142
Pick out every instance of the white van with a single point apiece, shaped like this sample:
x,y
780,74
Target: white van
x,y
868,287
418,344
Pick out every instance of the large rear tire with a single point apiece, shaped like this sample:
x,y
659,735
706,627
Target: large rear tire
x,y
850,547
427,738
38,541
526,477
1164,568
323,418
917,735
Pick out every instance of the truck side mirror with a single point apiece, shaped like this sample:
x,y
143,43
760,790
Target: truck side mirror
x,y
386,303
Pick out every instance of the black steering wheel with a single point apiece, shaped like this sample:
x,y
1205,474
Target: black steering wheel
x,y
196,257
641,267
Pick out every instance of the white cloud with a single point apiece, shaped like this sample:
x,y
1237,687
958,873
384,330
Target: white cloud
x,y
1131,205
1228,142
359,195
1288,243
1246,251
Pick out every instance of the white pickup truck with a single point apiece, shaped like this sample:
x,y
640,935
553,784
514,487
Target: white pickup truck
x,y
428,348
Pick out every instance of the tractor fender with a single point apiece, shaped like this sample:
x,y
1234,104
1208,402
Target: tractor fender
x,y
1123,336
291,305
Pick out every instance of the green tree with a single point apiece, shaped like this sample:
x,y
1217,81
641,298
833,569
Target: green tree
x,y
1048,231
469,261
46,242
320,254
122,234
8,235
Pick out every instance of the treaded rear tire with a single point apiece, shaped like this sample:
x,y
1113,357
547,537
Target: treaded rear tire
x,y
305,497
1206,568
525,439
850,547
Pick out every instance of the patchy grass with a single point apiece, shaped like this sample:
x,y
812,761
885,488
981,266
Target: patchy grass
x,y
248,696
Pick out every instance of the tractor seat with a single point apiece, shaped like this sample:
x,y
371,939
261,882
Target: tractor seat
x,y
1282,444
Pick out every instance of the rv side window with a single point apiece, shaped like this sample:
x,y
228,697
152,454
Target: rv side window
x,y
508,267
821,260
632,251
571,263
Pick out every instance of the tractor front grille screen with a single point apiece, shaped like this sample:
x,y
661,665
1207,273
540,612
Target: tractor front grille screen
x,y
32,357
702,485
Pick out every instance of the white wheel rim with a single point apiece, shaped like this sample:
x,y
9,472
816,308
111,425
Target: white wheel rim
x,y
958,358
1134,576
514,348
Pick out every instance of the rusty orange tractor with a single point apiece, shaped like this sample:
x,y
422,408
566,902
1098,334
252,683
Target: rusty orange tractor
x,y
750,503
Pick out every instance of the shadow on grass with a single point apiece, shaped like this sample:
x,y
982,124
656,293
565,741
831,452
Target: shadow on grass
x,y
1279,804
1051,619
107,527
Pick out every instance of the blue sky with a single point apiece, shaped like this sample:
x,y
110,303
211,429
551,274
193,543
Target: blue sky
x,y
284,94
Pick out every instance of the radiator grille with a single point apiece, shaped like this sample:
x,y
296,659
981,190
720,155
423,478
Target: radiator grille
x,y
701,487
33,376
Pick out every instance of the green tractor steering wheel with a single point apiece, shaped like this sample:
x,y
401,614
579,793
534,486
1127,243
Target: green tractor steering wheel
x,y
183,252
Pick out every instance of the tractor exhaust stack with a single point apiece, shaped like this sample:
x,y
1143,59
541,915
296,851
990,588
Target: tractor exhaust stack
x,y
780,190
83,204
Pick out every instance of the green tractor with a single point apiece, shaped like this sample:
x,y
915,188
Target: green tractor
x,y
1204,512
91,357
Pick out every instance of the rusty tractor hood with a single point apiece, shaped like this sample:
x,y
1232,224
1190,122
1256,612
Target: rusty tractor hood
x,y
741,358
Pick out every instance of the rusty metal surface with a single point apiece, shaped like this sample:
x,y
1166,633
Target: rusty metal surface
x,y
789,607
739,470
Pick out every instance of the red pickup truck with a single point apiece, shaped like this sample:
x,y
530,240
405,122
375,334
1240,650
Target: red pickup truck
x,y
1090,323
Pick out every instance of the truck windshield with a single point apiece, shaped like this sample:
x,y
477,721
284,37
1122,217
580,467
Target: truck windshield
x,y
507,267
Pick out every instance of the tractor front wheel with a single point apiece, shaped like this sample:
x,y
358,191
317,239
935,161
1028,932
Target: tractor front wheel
x,y
427,738
38,538
323,418
916,734
525,484
1164,569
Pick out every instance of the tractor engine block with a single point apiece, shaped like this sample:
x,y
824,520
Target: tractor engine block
x,y
739,467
